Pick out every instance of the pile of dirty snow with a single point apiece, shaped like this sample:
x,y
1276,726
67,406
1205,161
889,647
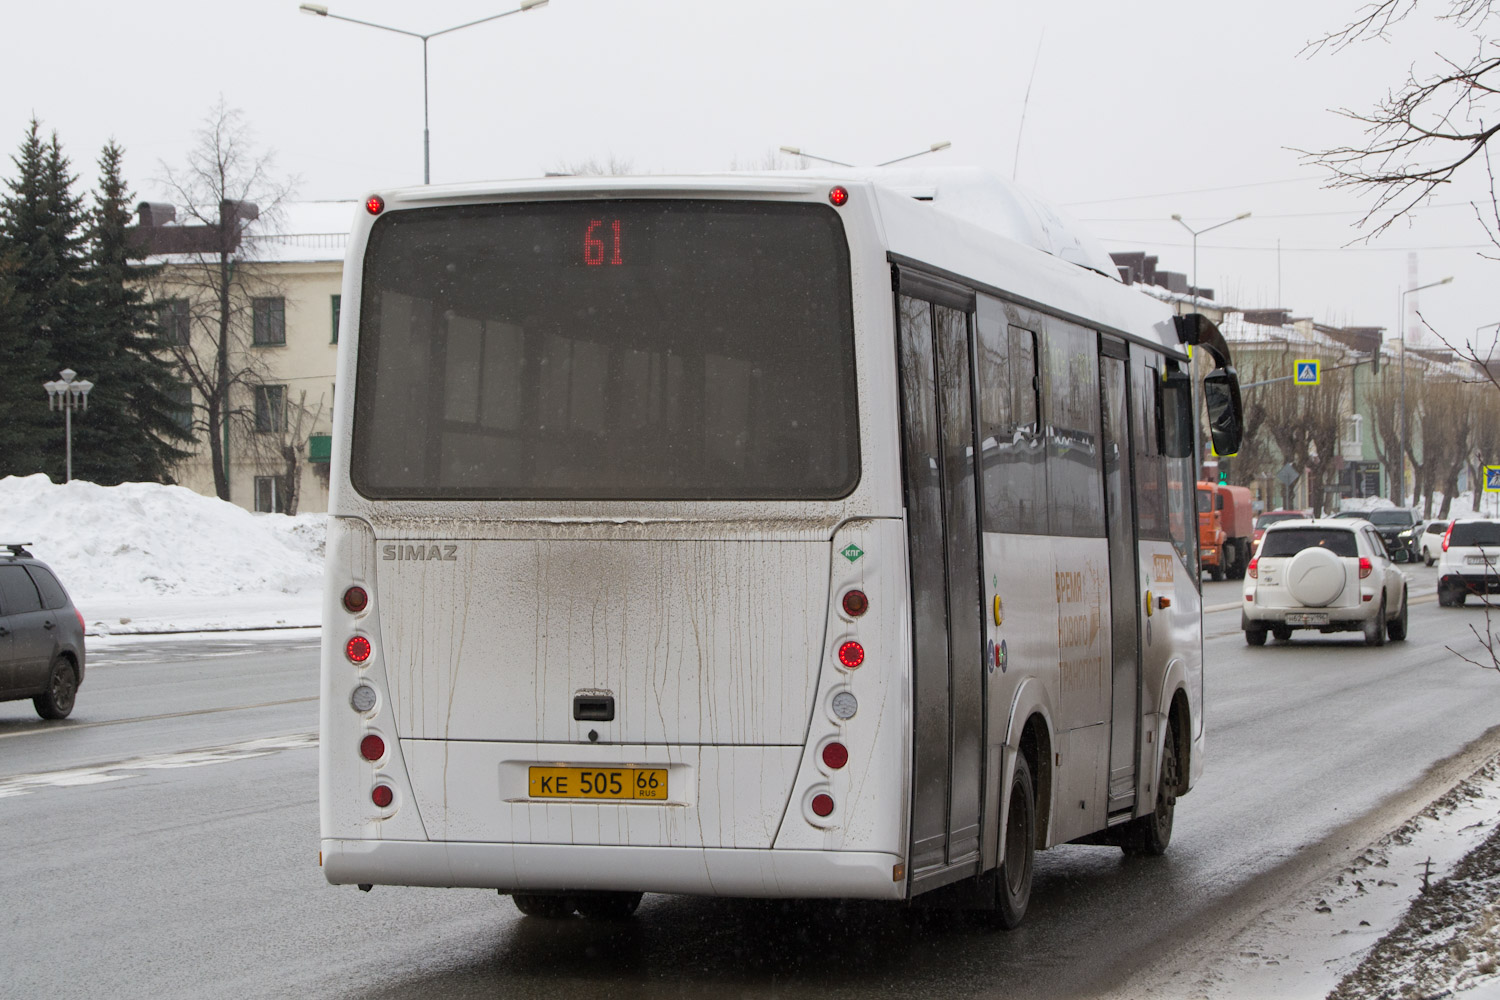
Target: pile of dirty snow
x,y
142,557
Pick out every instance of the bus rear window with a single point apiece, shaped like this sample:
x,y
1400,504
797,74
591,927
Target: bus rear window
x,y
591,350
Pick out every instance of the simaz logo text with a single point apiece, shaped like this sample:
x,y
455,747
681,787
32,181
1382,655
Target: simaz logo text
x,y
424,553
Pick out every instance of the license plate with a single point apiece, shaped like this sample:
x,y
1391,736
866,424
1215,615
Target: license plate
x,y
634,783
1475,560
1307,619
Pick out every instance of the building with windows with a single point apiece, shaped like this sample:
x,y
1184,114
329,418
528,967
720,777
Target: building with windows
x,y
280,334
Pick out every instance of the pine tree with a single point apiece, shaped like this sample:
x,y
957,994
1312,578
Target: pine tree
x,y
41,244
131,432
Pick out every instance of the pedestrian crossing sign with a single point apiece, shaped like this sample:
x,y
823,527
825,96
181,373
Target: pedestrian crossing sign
x,y
1492,478
1307,371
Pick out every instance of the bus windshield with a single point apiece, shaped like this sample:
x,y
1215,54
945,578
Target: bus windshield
x,y
596,350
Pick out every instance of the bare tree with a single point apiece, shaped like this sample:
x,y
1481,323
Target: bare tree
x,y
1322,408
223,188
277,443
1449,451
1384,401
1426,129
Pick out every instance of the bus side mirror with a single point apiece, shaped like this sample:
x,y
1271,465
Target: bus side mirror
x,y
1226,415
1176,414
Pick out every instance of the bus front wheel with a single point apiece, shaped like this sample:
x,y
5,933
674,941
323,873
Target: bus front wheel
x,y
1013,887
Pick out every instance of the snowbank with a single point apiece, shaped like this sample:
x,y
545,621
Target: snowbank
x,y
145,557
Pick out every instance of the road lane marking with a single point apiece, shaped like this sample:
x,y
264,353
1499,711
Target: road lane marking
x,y
95,774
69,727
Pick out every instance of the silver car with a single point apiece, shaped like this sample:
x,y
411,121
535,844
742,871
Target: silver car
x,y
1331,575
41,635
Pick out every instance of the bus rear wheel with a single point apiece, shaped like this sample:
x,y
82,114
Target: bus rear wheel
x,y
1149,835
1013,884
608,906
547,907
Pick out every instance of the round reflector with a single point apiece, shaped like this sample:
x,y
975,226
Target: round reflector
x,y
838,196
835,755
358,649
375,204
844,704
372,747
822,805
856,603
382,796
851,654
356,600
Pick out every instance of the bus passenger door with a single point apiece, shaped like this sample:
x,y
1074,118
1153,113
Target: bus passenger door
x,y
943,548
1125,606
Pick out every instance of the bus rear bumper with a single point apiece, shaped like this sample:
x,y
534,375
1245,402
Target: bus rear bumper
x,y
685,870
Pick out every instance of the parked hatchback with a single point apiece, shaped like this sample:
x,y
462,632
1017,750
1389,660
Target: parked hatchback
x,y
1470,561
1430,541
1331,575
41,635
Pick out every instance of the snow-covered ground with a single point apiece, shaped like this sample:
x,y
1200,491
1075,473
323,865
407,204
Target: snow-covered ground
x,y
141,557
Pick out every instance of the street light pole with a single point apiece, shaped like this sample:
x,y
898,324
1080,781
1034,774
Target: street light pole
x,y
321,11
67,394
1197,233
1400,484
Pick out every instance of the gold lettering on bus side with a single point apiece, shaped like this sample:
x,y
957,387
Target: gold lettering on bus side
x,y
1162,568
1069,587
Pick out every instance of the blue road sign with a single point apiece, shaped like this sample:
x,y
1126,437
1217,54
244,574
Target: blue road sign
x,y
1307,371
1492,478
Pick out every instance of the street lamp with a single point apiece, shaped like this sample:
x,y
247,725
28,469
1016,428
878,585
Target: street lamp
x,y
319,10
68,395
1400,499
1197,233
934,148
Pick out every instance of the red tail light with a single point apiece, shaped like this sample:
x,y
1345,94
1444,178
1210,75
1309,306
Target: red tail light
x,y
835,755
374,204
851,654
856,603
80,617
1448,534
356,600
382,796
1365,567
822,804
1253,568
358,649
839,196
372,747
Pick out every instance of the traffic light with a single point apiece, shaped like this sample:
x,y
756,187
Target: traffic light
x,y
1224,472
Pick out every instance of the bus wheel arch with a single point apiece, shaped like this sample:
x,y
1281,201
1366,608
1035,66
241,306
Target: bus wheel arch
x,y
1036,750
1179,716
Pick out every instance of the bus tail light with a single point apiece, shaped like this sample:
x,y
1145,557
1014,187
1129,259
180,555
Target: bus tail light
x,y
822,804
839,196
1365,567
372,747
382,796
856,603
374,204
358,649
851,654
835,755
1253,568
356,600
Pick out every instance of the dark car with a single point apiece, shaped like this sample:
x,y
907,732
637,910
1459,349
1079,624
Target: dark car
x,y
41,635
1394,526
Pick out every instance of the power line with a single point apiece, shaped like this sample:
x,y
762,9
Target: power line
x,y
1174,194
1224,246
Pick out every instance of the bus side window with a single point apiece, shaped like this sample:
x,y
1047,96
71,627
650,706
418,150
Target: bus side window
x,y
1013,453
1075,479
1150,471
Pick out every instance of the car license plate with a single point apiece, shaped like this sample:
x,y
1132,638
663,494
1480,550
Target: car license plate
x,y
638,783
1475,560
1307,619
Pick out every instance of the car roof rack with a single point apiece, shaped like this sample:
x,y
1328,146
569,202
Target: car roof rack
x,y
18,549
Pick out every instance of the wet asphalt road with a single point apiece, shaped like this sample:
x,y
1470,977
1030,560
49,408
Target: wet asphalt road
x,y
163,843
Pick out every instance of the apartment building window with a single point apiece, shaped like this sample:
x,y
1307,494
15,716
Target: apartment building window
x,y
182,406
270,321
175,321
270,408
335,299
269,495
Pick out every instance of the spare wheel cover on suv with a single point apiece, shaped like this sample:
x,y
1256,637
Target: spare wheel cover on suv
x,y
1315,577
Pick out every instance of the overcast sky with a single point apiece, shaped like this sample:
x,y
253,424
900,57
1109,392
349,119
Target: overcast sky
x,y
1137,111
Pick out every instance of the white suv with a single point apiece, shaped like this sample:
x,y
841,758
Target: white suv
x,y
1470,561
1331,575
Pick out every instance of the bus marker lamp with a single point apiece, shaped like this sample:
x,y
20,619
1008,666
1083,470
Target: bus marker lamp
x,y
374,204
851,654
358,649
372,747
839,196
856,603
356,600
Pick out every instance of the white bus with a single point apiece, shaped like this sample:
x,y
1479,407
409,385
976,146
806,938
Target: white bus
x,y
772,535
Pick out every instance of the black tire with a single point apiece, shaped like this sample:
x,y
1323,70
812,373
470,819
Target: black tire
x,y
1241,560
1149,835
609,906
62,691
1013,878
1427,558
1460,598
1375,627
1445,598
1396,629
1283,633
1255,636
546,907
1216,573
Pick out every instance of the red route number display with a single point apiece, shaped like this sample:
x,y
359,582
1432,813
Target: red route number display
x,y
601,243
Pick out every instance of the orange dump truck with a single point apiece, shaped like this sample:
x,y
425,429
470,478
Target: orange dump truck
x,y
1226,525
